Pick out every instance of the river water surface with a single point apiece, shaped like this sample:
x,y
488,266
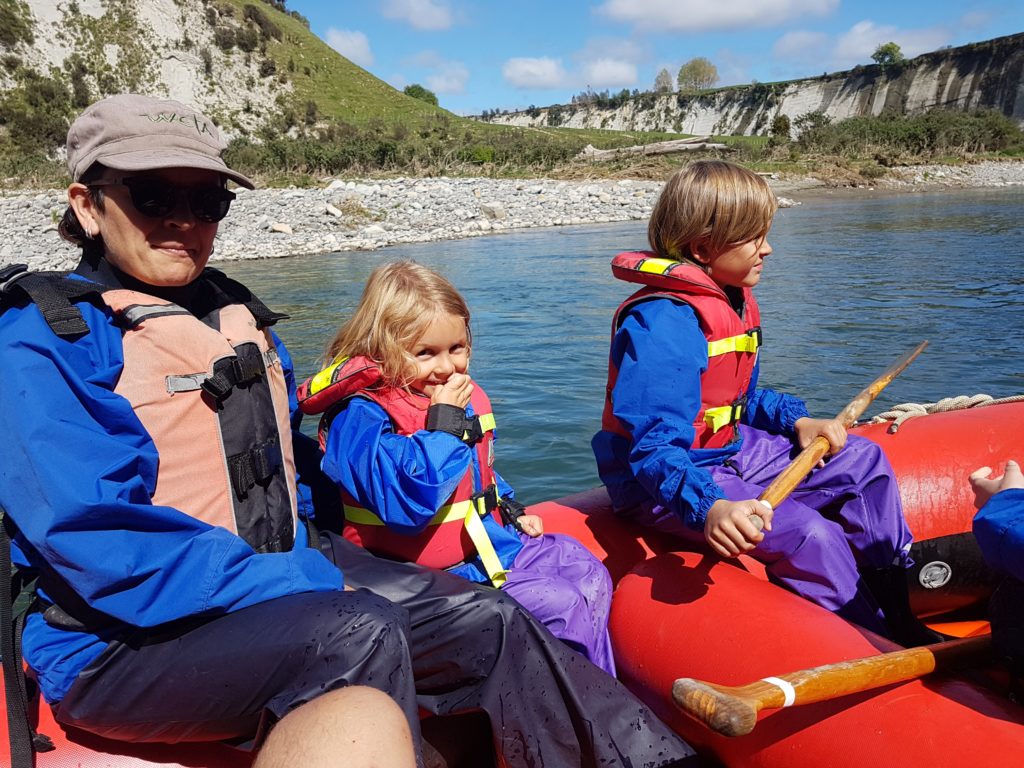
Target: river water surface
x,y
851,285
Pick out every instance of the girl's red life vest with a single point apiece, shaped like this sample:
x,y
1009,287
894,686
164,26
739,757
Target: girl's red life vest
x,y
201,390
733,340
455,534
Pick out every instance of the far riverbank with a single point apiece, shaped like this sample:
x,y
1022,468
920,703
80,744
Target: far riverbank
x,y
345,215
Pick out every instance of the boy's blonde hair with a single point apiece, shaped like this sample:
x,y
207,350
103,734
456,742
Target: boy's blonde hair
x,y
398,303
713,203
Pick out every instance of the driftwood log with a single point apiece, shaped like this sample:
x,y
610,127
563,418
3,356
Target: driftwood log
x,y
590,152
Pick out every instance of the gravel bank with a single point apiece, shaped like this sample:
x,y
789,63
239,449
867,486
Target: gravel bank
x,y
366,215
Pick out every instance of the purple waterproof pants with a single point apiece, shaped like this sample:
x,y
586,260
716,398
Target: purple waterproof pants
x,y
844,515
569,590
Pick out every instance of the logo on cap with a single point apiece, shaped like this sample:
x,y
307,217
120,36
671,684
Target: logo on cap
x,y
173,117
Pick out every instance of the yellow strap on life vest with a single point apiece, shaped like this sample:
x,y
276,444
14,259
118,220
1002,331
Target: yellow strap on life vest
x,y
657,266
486,423
745,342
323,379
462,510
723,416
484,546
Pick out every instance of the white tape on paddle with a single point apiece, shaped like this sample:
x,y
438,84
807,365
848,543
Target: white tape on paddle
x,y
787,689
766,503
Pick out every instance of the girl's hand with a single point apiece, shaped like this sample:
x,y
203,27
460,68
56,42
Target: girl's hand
x,y
728,528
455,391
531,525
807,429
985,488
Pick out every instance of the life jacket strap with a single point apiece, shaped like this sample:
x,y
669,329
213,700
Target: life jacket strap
x,y
244,367
442,417
747,342
254,467
725,415
470,512
53,292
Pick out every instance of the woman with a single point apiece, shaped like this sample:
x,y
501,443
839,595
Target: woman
x,y
151,478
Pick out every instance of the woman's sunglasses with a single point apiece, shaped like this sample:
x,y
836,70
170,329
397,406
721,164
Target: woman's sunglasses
x,y
156,199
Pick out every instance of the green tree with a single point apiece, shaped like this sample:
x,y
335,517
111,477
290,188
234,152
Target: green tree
x,y
417,91
663,82
697,75
888,55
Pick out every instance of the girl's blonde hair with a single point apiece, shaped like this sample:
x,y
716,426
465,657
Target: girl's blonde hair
x,y
713,203
398,303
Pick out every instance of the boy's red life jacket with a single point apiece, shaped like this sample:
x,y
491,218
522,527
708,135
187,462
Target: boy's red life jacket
x,y
733,340
456,533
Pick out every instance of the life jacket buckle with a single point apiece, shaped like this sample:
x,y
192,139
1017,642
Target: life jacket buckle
x,y
489,495
757,334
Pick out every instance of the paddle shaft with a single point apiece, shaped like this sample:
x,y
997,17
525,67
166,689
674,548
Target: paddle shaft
x,y
732,711
797,470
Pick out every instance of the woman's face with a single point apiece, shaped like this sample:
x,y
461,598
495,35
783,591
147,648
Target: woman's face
x,y
167,251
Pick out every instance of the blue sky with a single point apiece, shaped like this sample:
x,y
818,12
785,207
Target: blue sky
x,y
483,54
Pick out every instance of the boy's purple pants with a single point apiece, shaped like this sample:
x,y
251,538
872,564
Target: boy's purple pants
x,y
569,590
844,515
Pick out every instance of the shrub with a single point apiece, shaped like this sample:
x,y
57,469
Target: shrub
x,y
267,68
268,29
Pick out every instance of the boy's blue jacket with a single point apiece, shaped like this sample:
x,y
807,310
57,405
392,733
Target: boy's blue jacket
x,y
661,353
405,479
999,529
77,471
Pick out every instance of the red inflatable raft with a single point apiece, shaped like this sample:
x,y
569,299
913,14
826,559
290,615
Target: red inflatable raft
x,y
680,613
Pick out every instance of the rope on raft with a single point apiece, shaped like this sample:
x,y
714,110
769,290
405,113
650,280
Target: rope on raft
x,y
900,413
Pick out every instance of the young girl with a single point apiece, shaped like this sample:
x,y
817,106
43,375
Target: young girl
x,y
408,439
688,441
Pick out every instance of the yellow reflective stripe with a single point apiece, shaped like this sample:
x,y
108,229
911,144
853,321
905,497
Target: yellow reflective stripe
x,y
323,379
716,418
486,424
484,547
657,266
445,514
463,510
743,343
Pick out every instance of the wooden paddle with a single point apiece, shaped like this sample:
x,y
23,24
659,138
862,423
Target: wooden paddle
x,y
797,470
732,711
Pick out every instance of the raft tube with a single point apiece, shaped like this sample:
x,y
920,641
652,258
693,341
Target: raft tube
x,y
680,613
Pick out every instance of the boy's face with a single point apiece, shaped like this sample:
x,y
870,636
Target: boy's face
x,y
740,265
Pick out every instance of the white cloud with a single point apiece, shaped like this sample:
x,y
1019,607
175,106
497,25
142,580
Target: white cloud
x,y
421,14
857,44
700,15
801,45
609,73
451,77
534,73
351,44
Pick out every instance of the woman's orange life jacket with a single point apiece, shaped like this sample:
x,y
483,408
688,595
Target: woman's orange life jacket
x,y
733,340
455,534
212,396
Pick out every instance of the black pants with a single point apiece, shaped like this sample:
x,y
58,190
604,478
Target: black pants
x,y
472,648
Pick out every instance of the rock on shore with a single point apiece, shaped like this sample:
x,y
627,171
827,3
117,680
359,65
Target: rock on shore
x,y
351,215
371,214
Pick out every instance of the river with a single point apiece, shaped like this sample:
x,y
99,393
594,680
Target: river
x,y
852,284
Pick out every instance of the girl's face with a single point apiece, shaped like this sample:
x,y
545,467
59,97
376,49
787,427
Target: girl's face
x,y
441,350
739,266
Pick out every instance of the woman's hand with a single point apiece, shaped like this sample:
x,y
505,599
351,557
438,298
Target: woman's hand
x,y
728,528
531,525
808,429
456,391
985,487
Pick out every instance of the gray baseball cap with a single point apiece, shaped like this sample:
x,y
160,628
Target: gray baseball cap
x,y
130,132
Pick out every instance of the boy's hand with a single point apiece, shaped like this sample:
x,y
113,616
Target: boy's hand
x,y
531,525
985,488
456,391
728,528
807,429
